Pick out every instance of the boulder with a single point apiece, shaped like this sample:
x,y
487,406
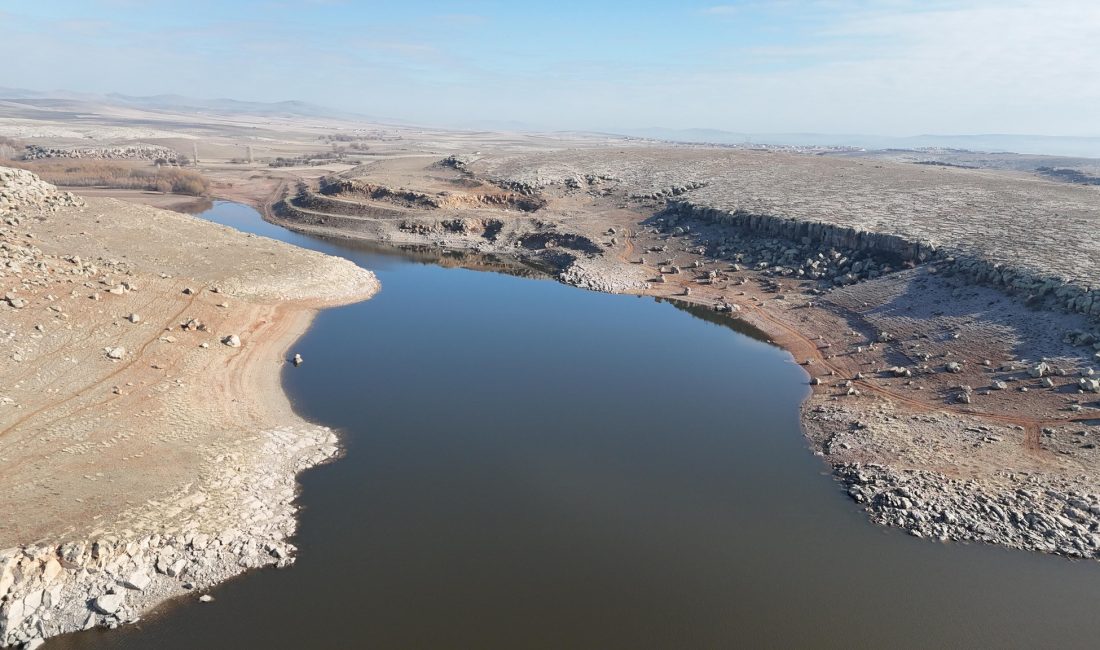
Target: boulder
x,y
1089,385
109,604
138,580
177,568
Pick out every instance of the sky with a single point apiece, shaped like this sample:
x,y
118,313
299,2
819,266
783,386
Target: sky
x,y
888,67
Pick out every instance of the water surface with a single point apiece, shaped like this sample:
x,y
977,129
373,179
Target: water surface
x,y
535,466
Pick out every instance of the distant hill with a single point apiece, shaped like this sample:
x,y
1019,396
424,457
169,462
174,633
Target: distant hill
x,y
63,100
184,104
291,108
1086,146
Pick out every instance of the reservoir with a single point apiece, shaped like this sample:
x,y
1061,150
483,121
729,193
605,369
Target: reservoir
x,y
530,465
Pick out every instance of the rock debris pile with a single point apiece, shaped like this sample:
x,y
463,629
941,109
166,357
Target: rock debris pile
x,y
927,504
22,192
133,152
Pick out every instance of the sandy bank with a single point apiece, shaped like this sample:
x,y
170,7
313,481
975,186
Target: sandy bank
x,y
140,455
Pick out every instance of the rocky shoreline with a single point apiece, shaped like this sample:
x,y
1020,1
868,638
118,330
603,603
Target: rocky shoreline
x,y
1037,515
241,520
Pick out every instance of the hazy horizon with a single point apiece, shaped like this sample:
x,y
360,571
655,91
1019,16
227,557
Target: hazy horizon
x,y
888,68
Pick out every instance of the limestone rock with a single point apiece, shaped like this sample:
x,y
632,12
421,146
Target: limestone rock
x,y
138,580
109,604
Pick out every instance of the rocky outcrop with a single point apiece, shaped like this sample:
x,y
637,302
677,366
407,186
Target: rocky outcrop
x,y
1037,288
601,274
21,192
335,185
1030,516
840,238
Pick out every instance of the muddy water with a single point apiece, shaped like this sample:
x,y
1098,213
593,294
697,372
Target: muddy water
x,y
534,466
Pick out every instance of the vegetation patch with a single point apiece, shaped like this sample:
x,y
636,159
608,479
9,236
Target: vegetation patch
x,y
114,174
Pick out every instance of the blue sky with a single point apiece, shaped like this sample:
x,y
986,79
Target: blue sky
x,y
893,67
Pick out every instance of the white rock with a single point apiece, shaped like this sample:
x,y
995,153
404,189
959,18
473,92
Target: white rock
x,y
232,341
177,568
51,570
138,580
108,603
34,600
1089,385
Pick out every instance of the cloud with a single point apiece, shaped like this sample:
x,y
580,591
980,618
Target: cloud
x,y
888,66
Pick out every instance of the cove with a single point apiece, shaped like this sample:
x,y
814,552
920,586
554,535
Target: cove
x,y
529,465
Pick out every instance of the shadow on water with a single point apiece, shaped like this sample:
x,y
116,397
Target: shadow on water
x,y
533,466
702,312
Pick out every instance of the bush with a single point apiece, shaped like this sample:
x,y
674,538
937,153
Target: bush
x,y
10,149
122,175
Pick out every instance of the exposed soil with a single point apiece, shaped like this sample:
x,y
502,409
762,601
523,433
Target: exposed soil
x,y
137,439
944,316
923,367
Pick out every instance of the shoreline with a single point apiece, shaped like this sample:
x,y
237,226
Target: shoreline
x,y
904,494
229,450
1010,470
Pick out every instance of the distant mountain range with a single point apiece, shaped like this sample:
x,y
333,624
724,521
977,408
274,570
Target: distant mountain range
x,y
1086,146
1083,146
184,104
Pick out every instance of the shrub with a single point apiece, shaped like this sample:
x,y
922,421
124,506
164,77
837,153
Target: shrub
x,y
10,149
122,175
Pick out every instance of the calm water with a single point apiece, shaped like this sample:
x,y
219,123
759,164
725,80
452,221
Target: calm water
x,y
535,466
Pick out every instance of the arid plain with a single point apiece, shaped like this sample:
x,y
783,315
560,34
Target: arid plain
x,y
944,315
